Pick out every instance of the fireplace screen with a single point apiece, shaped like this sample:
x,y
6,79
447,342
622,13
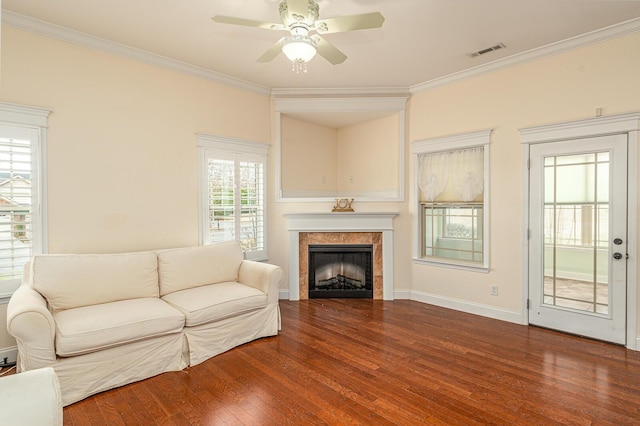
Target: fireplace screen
x,y
340,271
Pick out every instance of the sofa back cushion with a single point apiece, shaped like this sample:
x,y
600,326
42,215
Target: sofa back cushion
x,y
183,268
71,281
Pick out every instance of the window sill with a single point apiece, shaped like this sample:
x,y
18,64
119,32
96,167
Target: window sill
x,y
460,266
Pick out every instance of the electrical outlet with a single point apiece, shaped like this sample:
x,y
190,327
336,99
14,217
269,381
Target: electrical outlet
x,y
350,178
494,290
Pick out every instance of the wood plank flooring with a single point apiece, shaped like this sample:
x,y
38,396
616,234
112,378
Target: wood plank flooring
x,y
366,362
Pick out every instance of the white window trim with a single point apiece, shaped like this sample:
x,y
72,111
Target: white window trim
x,y
451,143
207,143
36,119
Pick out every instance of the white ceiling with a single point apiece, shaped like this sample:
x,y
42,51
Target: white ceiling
x,y
421,41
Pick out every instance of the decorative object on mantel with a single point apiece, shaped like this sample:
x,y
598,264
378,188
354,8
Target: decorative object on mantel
x,y
343,205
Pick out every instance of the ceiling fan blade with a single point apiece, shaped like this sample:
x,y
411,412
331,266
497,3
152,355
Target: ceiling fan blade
x,y
247,22
349,23
329,51
272,52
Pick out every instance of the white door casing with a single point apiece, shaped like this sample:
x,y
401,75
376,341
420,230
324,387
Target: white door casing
x,y
624,124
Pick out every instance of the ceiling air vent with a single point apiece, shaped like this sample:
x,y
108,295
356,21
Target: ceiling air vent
x,y
487,50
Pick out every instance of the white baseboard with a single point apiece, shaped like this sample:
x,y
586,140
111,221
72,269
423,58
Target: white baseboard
x,y
283,294
402,294
10,353
468,307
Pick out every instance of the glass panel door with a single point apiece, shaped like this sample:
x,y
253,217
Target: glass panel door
x,y
576,232
578,210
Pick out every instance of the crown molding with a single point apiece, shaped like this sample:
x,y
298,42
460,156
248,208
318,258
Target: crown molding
x,y
65,34
354,92
37,26
343,104
583,40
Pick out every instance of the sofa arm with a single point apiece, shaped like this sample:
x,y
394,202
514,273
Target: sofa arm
x,y
32,325
263,276
31,398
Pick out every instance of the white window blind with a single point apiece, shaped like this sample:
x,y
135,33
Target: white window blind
x,y
22,199
234,197
452,193
453,175
16,203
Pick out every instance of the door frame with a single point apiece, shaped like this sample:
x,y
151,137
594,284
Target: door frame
x,y
628,124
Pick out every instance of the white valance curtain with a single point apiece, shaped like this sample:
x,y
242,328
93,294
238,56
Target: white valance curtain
x,y
452,176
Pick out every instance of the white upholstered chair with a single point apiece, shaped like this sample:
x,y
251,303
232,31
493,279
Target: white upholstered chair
x,y
31,398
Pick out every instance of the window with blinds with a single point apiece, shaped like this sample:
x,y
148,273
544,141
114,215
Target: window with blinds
x,y
16,204
452,189
234,196
22,137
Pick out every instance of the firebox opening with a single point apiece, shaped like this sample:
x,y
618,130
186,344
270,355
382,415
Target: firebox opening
x,y
341,271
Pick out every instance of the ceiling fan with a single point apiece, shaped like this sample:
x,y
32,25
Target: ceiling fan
x,y
300,18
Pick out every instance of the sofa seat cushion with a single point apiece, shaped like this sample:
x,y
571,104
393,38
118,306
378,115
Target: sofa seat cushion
x,y
92,328
214,302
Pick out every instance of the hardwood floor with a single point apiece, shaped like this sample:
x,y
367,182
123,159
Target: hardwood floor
x,y
341,362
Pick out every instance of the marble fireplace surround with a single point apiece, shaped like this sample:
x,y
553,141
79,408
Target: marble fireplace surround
x,y
341,228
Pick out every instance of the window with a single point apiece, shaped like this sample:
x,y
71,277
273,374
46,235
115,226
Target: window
x,y
452,193
233,193
22,210
453,231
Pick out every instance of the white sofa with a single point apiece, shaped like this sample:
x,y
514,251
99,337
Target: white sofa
x,y
102,321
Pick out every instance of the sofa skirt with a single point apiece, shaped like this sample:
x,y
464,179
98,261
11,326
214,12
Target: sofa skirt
x,y
84,375
207,340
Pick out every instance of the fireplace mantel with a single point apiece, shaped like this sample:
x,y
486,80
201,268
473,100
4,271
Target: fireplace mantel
x,y
341,222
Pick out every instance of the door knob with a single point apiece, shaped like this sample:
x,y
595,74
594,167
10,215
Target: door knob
x,y
617,241
617,256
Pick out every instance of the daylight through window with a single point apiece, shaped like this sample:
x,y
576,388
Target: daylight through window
x,y
452,193
234,196
22,134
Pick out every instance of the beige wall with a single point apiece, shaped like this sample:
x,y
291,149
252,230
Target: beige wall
x,y
318,160
377,171
565,87
122,151
308,157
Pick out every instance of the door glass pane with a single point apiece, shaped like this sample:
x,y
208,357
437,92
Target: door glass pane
x,y
576,232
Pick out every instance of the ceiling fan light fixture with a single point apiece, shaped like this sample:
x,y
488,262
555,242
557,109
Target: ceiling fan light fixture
x,y
299,49
300,18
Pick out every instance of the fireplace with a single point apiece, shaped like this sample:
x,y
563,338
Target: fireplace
x,y
341,271
307,229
